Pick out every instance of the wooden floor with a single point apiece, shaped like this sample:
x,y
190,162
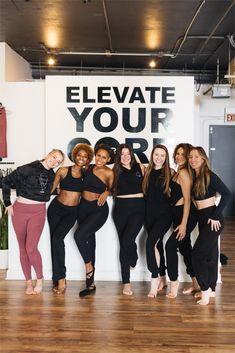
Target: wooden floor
x,y
109,322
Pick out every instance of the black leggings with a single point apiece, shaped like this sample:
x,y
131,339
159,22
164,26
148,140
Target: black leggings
x,y
128,216
61,219
205,251
157,226
91,218
184,246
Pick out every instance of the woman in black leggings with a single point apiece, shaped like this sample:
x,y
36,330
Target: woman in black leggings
x,y
93,211
184,221
158,219
129,209
62,212
210,221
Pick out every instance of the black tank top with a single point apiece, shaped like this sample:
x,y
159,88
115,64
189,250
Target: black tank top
x,y
92,183
70,183
155,196
130,181
176,192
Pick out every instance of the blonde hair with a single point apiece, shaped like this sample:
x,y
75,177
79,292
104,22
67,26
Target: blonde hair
x,y
202,180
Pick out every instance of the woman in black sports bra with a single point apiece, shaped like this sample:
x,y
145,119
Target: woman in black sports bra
x,y
93,210
62,212
210,222
184,221
129,209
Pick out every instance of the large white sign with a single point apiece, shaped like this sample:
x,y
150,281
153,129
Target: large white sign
x,y
141,111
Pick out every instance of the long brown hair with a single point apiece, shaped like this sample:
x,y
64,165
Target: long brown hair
x,y
166,171
202,180
186,148
118,165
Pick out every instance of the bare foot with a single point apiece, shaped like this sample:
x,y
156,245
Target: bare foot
x,y
38,287
154,287
61,286
205,297
127,289
199,294
193,288
29,287
174,285
162,283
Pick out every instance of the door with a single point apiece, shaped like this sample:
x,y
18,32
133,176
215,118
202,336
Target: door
x,y
222,159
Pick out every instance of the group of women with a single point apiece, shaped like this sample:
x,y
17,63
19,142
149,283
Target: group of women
x,y
155,196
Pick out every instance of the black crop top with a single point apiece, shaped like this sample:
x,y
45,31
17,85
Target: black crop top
x,y
176,192
155,196
93,183
130,180
216,185
70,183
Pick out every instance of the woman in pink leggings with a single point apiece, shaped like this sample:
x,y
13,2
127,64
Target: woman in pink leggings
x,y
33,183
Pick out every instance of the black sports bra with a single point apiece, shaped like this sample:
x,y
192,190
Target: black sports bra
x,y
70,183
93,183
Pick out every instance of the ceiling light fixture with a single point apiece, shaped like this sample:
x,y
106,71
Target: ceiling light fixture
x,y
152,64
51,61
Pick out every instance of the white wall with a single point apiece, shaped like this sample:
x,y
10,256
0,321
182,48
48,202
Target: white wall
x,y
16,68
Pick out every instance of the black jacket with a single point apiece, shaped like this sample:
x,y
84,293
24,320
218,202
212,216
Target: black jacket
x,y
31,181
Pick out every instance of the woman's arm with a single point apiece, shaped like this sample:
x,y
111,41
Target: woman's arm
x,y
185,183
60,174
110,177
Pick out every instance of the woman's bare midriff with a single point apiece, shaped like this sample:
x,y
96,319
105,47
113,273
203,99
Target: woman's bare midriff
x,y
205,203
22,199
130,196
90,196
69,198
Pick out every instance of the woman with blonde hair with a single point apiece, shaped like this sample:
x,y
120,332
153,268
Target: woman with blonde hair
x,y
158,219
210,221
33,184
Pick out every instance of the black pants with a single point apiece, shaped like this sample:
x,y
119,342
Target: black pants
x,y
157,225
205,251
184,246
61,219
91,218
128,216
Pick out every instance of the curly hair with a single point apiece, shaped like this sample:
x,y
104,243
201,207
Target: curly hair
x,y
85,147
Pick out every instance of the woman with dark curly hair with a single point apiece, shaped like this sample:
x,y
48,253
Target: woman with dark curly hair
x,y
93,210
62,212
129,208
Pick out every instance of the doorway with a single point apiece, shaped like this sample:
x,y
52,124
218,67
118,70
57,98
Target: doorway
x,y
222,159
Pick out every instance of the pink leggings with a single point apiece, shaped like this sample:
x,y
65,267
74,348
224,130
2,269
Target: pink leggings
x,y
28,222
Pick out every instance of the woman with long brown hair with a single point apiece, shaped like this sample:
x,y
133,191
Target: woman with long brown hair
x,y
210,221
158,219
129,209
184,221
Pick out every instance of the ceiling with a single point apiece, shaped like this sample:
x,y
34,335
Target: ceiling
x,y
122,36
